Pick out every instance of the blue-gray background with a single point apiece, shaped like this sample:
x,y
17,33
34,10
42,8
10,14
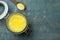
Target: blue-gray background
x,y
42,15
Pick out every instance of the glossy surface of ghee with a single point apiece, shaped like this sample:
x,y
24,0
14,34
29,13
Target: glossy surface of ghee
x,y
16,22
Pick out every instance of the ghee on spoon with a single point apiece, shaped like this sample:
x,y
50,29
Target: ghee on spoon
x,y
19,5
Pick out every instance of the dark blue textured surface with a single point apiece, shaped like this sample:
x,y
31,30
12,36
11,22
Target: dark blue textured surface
x,y
42,15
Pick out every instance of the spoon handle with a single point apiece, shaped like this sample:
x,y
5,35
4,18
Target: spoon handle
x,y
14,1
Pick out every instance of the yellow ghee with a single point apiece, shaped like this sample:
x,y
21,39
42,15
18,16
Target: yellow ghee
x,y
16,22
20,6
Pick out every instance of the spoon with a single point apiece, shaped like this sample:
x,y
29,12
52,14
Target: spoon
x,y
19,5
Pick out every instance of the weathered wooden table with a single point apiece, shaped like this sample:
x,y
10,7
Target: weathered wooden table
x,y
43,17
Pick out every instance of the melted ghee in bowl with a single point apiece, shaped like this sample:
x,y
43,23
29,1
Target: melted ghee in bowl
x,y
16,22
